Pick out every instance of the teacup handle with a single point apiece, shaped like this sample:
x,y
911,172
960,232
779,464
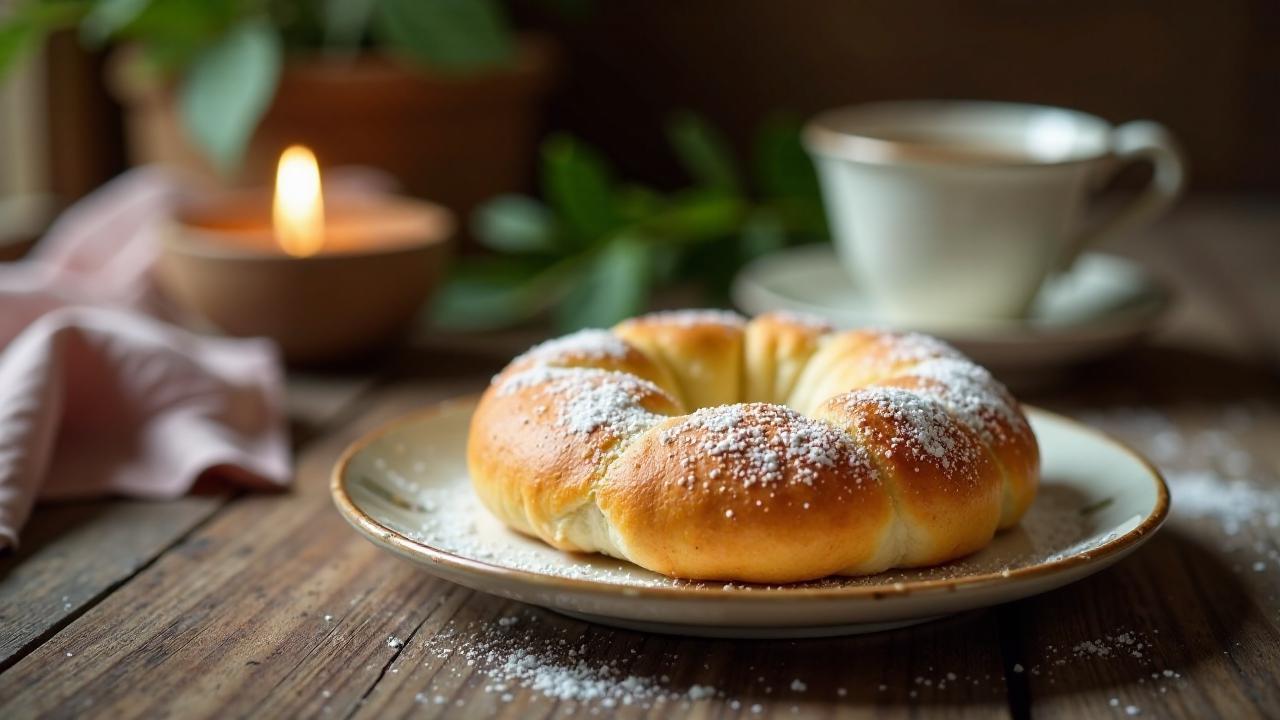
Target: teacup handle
x,y
1137,141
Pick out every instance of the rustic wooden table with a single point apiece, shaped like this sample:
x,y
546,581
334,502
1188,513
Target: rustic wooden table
x,y
237,604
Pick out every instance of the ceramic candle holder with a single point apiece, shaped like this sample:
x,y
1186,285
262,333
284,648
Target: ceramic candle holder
x,y
381,259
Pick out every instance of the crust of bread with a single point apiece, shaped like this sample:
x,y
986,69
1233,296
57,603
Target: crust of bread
x,y
703,351
687,511
946,490
776,349
524,469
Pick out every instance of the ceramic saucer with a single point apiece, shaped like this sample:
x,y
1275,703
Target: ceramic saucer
x,y
405,487
1102,304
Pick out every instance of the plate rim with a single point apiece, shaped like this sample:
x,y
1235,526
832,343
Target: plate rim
x,y
380,534
1134,321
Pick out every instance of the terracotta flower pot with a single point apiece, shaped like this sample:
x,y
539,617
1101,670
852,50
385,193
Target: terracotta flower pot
x,y
456,139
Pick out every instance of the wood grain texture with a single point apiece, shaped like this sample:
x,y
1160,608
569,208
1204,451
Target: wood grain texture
x,y
271,606
951,667
1232,250
73,554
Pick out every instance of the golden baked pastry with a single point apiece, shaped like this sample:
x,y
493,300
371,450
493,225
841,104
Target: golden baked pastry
x,y
700,445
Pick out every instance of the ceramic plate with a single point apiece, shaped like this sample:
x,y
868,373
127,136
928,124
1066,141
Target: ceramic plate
x,y
405,487
1104,303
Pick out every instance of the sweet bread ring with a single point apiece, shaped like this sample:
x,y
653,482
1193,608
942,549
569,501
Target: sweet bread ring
x,y
700,445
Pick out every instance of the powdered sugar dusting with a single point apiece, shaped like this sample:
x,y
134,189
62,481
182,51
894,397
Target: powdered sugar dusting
x,y
924,428
972,395
914,347
1214,483
538,659
812,322
1236,504
589,399
550,661
692,318
763,443
589,344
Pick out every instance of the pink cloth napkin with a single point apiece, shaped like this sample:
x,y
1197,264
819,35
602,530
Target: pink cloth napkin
x,y
99,395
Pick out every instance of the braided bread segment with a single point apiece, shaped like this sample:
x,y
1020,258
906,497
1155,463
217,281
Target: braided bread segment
x,y
702,349
857,358
748,491
542,437
597,349
984,406
776,349
944,485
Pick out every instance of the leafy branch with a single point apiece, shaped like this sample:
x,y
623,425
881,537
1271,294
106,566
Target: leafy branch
x,y
226,55
595,249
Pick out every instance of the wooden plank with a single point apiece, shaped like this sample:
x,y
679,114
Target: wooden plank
x,y
1233,249
1200,316
72,555
315,400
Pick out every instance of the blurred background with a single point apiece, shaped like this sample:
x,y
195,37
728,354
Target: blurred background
x,y
685,113
1208,70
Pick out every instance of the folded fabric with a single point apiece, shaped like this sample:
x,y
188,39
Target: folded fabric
x,y
98,394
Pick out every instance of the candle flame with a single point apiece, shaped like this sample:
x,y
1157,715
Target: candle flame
x,y
297,213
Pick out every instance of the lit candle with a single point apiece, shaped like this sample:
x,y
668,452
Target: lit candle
x,y
297,211
326,272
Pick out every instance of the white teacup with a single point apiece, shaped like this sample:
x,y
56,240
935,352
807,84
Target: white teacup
x,y
955,212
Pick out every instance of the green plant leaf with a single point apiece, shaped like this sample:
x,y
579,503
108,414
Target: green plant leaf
x,y
228,88
174,33
762,233
577,185
345,22
16,39
786,175
703,152
615,286
665,262
515,224
446,34
781,165
29,22
488,293
696,216
636,202
107,17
